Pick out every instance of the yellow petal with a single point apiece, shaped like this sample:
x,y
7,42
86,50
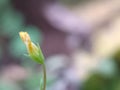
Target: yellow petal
x,y
25,37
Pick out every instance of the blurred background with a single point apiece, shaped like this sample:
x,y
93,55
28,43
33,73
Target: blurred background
x,y
79,38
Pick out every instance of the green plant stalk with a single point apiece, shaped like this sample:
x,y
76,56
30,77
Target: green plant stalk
x,y
35,53
44,76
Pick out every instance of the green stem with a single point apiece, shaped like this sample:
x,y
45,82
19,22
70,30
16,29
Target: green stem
x,y
44,78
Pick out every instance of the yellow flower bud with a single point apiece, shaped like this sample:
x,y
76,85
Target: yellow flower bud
x,y
33,50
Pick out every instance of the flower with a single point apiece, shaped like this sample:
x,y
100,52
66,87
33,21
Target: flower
x,y
34,51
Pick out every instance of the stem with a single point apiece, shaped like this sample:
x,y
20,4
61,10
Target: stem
x,y
44,78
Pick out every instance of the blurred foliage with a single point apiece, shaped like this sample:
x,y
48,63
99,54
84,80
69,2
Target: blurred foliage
x,y
116,57
107,77
3,4
96,82
32,82
0,52
8,86
107,67
11,22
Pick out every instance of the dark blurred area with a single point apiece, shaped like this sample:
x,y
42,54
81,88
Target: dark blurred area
x,y
79,38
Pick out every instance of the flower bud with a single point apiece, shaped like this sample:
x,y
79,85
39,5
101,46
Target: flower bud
x,y
34,51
